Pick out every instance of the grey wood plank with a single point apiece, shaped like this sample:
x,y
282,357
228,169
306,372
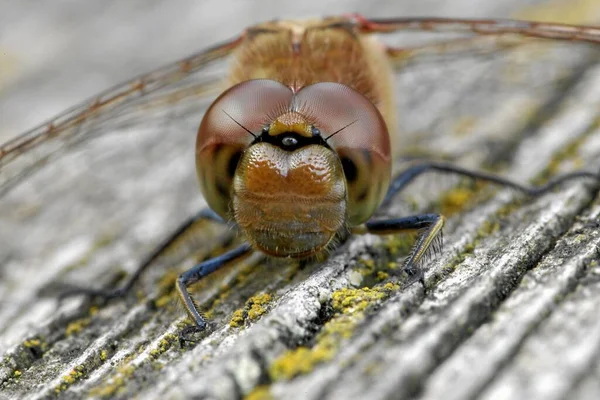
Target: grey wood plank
x,y
509,310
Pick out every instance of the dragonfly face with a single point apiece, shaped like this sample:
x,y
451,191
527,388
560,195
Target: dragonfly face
x,y
303,156
293,168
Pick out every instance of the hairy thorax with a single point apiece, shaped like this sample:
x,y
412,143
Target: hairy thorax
x,y
289,203
300,53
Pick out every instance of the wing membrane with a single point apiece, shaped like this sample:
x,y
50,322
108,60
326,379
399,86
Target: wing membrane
x,y
479,81
463,98
29,151
16,156
477,94
482,27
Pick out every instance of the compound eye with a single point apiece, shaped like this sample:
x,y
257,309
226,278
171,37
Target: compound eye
x,y
355,129
229,126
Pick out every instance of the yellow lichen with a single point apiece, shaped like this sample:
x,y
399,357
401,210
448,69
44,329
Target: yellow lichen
x,y
302,360
226,288
36,346
508,208
462,196
73,376
356,300
181,324
368,263
157,366
254,308
382,275
70,378
166,286
455,200
77,326
400,243
487,228
126,370
164,344
299,361
118,381
237,318
17,373
258,305
163,301
261,392
349,306
154,353
103,355
32,343
367,266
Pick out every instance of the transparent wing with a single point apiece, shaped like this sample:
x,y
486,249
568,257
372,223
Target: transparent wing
x,y
162,88
481,27
103,171
152,95
489,86
108,201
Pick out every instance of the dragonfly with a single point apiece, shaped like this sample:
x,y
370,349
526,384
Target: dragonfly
x,y
296,153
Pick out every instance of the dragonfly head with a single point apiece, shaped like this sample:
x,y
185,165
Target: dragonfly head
x,y
293,169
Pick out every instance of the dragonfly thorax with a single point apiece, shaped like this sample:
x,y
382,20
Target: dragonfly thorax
x,y
289,203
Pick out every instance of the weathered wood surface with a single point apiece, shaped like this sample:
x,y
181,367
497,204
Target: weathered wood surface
x,y
511,304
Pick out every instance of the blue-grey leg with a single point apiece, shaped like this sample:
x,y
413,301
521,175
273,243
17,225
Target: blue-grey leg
x,y
430,226
204,214
196,273
400,181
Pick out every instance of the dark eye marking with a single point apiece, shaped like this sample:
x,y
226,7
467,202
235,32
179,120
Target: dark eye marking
x,y
222,188
233,162
362,195
217,149
350,169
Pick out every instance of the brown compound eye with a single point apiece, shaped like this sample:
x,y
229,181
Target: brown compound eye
x,y
229,126
355,129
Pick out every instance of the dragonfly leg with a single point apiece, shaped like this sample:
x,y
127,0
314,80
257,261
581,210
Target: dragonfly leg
x,y
196,273
430,226
405,177
204,214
